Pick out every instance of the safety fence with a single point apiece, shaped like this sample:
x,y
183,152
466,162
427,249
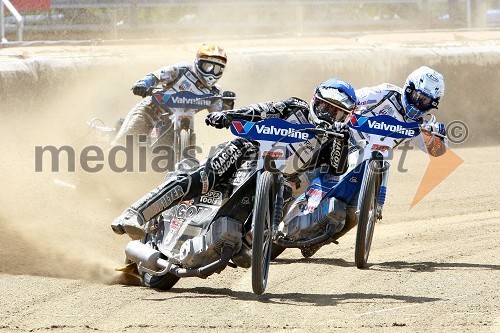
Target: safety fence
x,y
74,19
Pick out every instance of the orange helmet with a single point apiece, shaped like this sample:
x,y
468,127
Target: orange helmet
x,y
210,62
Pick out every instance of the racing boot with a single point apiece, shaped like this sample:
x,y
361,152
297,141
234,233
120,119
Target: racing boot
x,y
133,221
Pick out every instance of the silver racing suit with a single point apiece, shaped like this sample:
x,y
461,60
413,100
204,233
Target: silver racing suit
x,y
144,115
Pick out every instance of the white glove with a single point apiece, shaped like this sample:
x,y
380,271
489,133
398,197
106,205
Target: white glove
x,y
436,128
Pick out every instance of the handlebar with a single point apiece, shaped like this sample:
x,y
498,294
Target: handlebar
x,y
324,131
241,116
151,90
230,116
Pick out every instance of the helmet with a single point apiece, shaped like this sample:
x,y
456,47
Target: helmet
x,y
333,100
422,91
210,62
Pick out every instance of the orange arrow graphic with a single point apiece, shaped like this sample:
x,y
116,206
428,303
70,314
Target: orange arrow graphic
x,y
438,169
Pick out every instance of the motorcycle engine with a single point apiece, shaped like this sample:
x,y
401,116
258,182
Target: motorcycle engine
x,y
206,248
306,226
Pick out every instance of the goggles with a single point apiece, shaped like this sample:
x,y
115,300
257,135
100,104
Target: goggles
x,y
324,108
210,68
421,100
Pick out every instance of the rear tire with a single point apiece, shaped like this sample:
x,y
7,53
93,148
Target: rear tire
x,y
262,232
367,214
164,282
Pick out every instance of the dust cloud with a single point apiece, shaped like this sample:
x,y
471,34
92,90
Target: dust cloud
x,y
57,223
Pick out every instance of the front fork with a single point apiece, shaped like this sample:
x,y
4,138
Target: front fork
x,y
278,206
383,189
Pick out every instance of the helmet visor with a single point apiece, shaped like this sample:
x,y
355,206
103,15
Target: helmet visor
x,y
421,100
329,111
210,68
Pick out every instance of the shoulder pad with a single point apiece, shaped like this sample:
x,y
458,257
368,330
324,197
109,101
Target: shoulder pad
x,y
390,87
294,101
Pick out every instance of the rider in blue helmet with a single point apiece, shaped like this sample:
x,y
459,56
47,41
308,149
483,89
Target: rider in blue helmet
x,y
332,103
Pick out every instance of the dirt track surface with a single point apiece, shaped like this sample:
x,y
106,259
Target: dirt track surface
x,y
433,268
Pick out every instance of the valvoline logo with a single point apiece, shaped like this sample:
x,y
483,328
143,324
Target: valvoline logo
x,y
184,99
273,129
242,127
161,98
384,125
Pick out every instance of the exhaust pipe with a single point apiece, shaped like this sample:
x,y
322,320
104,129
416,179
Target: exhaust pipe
x,y
320,239
203,272
149,261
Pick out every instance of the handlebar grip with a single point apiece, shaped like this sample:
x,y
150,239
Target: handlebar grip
x,y
327,132
439,135
228,120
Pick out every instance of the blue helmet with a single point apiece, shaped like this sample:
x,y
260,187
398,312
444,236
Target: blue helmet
x,y
333,100
422,91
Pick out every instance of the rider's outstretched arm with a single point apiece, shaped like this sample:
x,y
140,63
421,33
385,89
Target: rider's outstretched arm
x,y
433,139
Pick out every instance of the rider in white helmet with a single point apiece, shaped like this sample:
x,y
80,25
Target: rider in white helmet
x,y
420,94
199,78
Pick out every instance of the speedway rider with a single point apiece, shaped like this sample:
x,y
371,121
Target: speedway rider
x,y
421,93
199,79
332,102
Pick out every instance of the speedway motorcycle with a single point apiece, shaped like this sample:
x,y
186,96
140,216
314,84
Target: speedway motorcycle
x,y
231,225
317,217
175,132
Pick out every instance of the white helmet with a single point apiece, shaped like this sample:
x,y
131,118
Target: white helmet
x,y
210,62
422,91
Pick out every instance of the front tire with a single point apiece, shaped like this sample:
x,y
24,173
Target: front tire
x,y
367,214
262,232
184,143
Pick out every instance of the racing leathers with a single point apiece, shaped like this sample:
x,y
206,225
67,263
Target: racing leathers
x,y
229,156
385,99
144,115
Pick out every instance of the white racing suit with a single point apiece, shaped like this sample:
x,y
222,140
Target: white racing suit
x,y
386,99
222,165
179,77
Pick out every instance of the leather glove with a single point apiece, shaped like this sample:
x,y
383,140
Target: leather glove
x,y
140,88
343,129
436,127
228,98
217,120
